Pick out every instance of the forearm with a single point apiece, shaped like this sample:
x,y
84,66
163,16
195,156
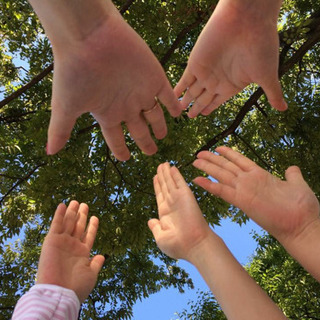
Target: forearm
x,y
72,19
237,293
305,248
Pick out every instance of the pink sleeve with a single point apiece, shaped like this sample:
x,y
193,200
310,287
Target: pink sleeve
x,y
47,302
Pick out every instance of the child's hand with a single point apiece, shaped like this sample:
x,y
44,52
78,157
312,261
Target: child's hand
x,y
65,255
181,226
283,208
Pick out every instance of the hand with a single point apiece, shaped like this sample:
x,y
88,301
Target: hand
x,y
238,46
283,208
65,255
181,226
114,75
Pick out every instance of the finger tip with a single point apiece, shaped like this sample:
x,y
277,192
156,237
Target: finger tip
x,y
61,204
122,156
51,150
74,202
56,142
151,151
161,134
278,103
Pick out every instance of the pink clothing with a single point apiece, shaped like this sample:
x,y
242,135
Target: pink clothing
x,y
47,302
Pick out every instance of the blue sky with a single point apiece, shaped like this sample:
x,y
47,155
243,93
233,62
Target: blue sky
x,y
163,305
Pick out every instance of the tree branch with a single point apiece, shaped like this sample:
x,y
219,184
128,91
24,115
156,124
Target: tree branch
x,y
126,6
20,181
27,86
124,180
269,167
181,35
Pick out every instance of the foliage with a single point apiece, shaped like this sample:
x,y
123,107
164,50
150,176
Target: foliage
x,y
295,291
121,194
205,308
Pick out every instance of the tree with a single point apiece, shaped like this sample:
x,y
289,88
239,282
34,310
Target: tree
x,y
121,194
284,280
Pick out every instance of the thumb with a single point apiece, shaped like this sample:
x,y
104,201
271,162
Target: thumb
x,y
59,131
293,174
274,94
96,263
155,227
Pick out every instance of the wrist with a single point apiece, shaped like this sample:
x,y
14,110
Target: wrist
x,y
259,12
305,248
300,241
73,20
205,247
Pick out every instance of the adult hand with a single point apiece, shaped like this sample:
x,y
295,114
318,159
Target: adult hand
x,y
181,226
283,208
65,256
102,66
238,46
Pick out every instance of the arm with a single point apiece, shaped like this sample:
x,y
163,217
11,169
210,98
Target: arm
x,y
288,209
239,45
53,301
93,72
66,273
182,232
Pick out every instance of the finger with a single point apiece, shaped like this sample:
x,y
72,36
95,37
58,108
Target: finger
x,y
57,221
217,160
192,93
81,221
169,99
216,172
201,103
157,190
186,81
293,174
171,186
70,217
96,263
274,94
60,127
155,227
215,104
115,140
178,178
91,232
157,121
225,192
162,181
139,131
237,158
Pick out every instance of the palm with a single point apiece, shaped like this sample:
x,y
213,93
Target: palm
x,y
66,257
113,75
271,202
